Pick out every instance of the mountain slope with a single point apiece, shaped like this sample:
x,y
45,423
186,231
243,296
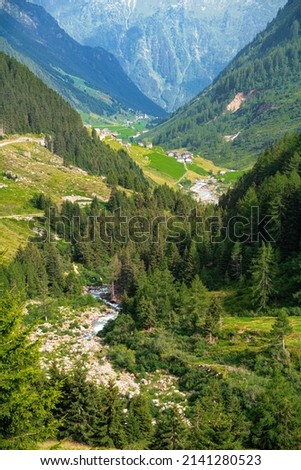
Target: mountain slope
x,y
90,78
171,49
28,105
251,104
35,170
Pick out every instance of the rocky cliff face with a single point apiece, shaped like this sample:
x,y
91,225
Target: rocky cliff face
x,y
171,49
91,79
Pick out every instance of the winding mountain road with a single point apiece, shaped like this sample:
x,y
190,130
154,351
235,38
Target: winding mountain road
x,y
40,141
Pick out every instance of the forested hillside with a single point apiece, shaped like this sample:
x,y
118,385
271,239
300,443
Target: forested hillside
x,y
144,319
91,79
254,101
27,105
207,327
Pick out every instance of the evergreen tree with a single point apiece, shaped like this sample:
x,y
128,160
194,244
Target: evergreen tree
x,y
79,409
34,270
111,432
212,427
146,314
263,271
139,419
236,261
25,402
212,320
114,272
280,329
73,285
171,431
277,417
193,306
53,268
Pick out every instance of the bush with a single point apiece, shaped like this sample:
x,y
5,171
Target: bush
x,y
122,358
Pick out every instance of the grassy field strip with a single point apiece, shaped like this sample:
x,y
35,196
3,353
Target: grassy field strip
x,y
263,325
27,168
13,234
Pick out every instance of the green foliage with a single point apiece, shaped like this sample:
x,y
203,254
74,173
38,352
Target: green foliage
x,y
111,431
26,403
262,274
280,330
268,73
277,417
79,407
122,358
213,426
171,432
272,189
32,107
139,420
97,415
193,304
213,320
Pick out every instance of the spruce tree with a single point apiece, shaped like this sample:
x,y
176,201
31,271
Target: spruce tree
x,y
280,329
193,307
235,269
139,427
263,271
213,428
26,403
212,320
79,409
277,417
171,430
146,314
111,432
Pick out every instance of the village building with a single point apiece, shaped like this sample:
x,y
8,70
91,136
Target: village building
x,y
182,157
103,133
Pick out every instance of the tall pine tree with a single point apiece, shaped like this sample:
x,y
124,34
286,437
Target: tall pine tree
x,y
26,403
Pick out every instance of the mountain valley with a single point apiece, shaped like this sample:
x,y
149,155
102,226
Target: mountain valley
x,y
171,49
91,79
253,102
150,295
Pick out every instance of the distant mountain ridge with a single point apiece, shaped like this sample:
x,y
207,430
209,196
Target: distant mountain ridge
x,y
254,102
90,78
171,49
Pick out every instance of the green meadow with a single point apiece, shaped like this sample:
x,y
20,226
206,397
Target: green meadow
x,y
167,165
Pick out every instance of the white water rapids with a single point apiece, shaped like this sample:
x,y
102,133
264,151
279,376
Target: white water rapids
x,y
101,293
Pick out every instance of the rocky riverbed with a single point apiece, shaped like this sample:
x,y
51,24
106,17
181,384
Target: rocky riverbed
x,y
205,191
72,340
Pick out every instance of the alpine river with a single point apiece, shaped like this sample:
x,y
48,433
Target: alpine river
x,y
101,293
